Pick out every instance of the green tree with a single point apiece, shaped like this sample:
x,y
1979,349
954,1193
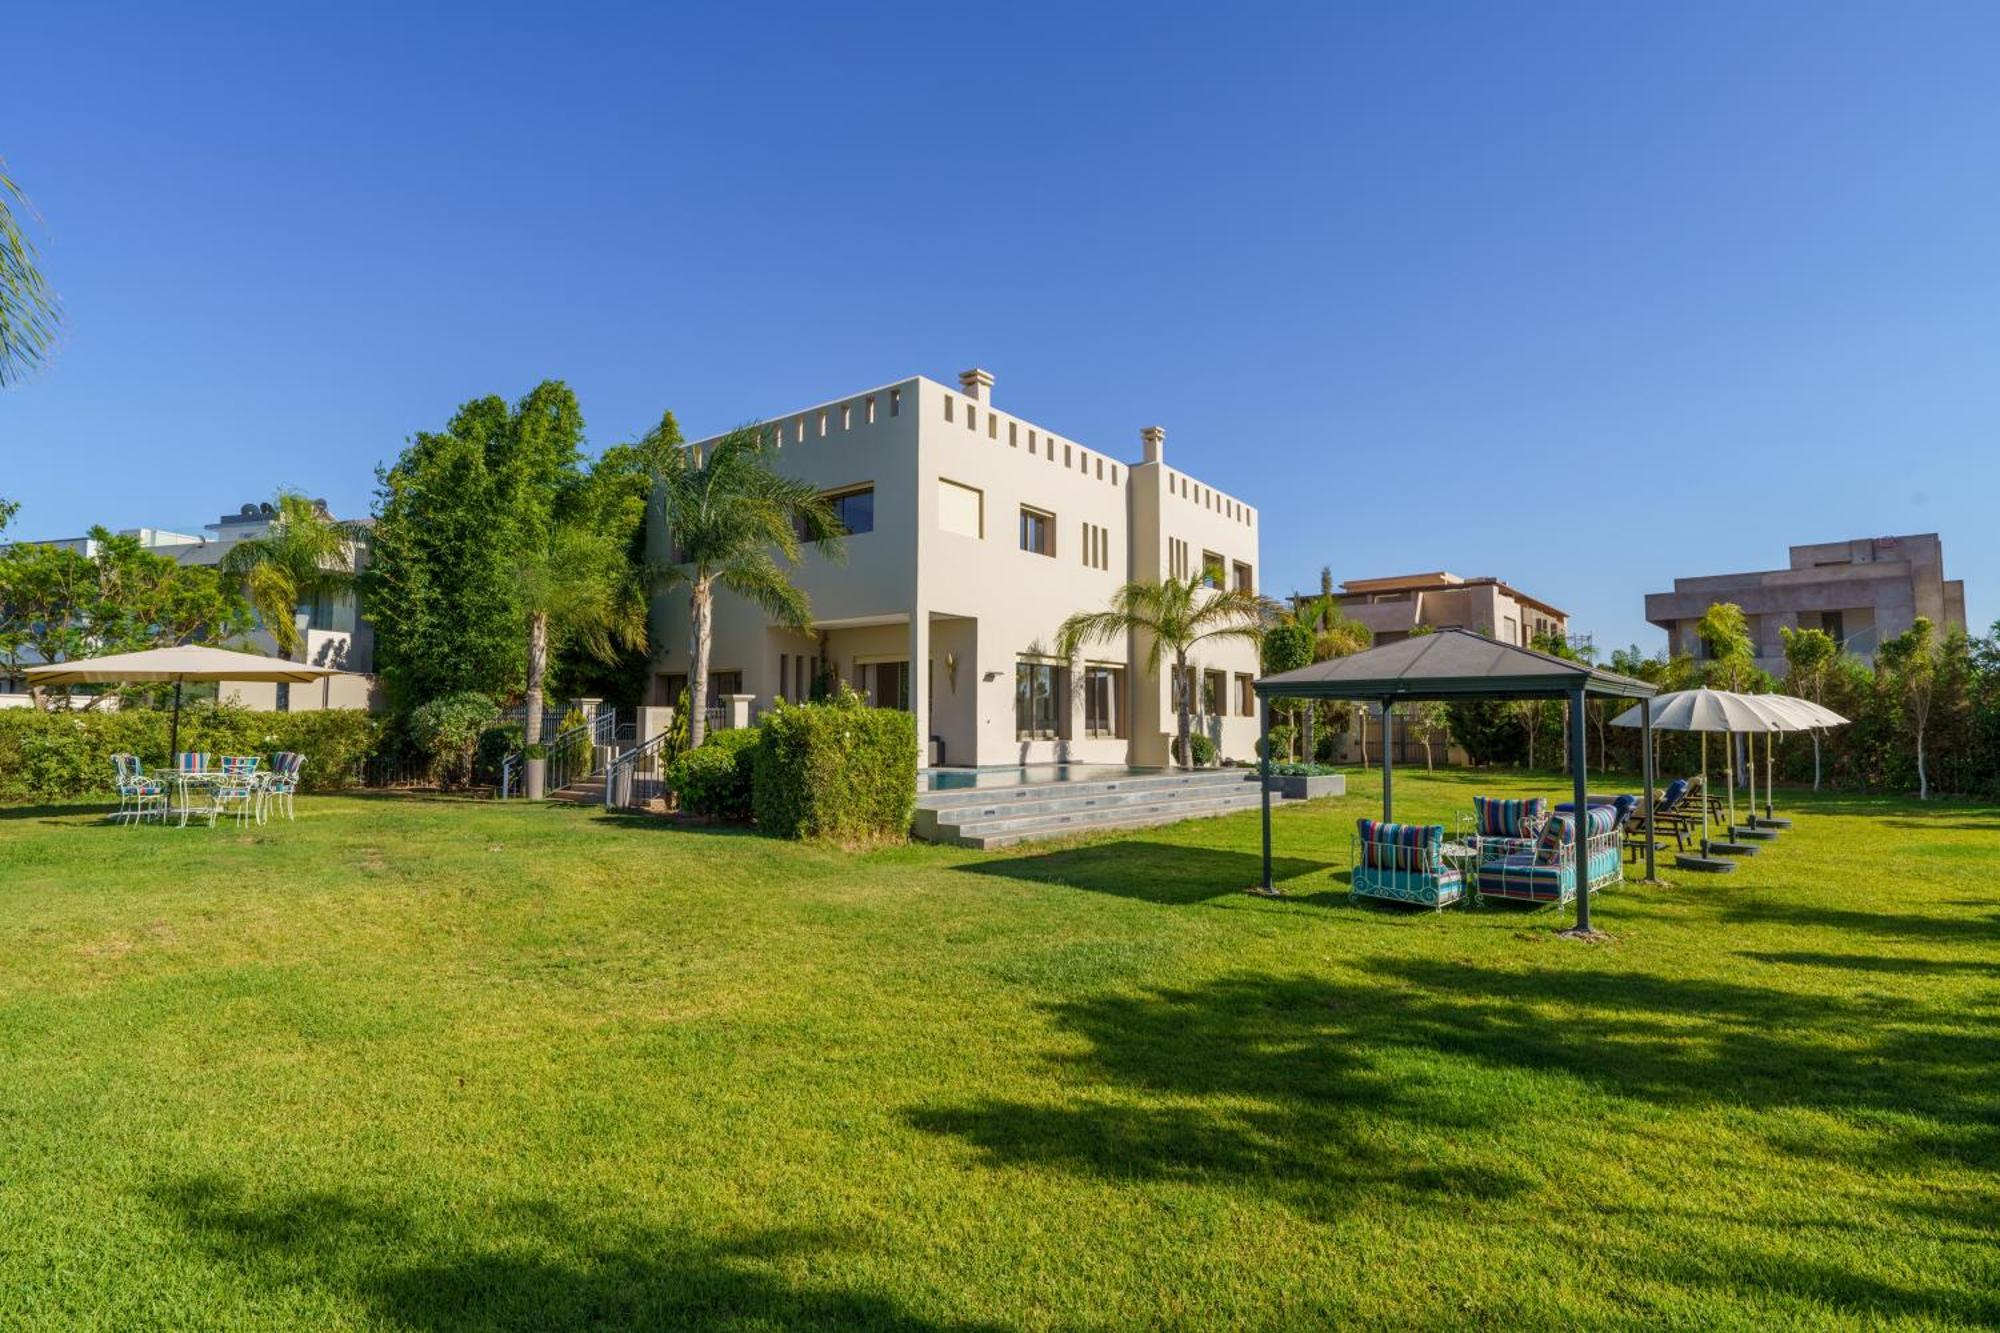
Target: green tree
x,y
1334,634
1809,655
1910,661
8,508
1432,719
29,312
727,518
302,556
1173,617
1286,646
453,517
1732,655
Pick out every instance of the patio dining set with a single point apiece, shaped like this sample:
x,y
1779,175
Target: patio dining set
x,y
201,784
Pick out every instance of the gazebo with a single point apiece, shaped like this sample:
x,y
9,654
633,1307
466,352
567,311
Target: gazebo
x,y
1458,664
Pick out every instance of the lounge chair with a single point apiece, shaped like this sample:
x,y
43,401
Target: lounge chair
x,y
1544,870
1404,863
1670,815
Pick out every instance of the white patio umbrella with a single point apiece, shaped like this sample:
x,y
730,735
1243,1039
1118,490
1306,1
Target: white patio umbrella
x,y
185,663
1799,715
1705,710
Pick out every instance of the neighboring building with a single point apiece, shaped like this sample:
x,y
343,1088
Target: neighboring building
x,y
976,533
1392,607
1860,592
336,633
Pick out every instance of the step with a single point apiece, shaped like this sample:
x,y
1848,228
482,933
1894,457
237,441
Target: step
x,y
1054,801
1007,832
589,791
1167,780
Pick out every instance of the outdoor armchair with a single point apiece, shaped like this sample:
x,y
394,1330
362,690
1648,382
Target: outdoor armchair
x,y
1404,863
1544,870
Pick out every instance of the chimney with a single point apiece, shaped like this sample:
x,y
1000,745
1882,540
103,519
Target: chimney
x,y
1156,443
978,385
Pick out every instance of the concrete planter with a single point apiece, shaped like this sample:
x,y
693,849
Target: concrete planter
x,y
1306,789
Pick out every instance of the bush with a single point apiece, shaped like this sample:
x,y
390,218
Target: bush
x,y
838,772
495,744
1303,770
716,780
67,756
1204,750
1281,741
448,730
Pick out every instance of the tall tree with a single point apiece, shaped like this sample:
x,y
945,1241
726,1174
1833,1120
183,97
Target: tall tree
x,y
29,312
1809,655
1174,617
303,555
1910,660
1334,634
728,520
453,516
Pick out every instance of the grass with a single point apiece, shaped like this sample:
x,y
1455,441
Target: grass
x,y
433,1065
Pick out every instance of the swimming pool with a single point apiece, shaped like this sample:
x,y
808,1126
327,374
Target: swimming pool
x,y
1024,775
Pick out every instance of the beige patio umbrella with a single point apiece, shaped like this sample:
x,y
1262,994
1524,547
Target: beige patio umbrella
x,y
185,663
1791,713
1706,710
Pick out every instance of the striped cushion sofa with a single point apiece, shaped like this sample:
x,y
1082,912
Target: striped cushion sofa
x,y
1402,863
1493,817
1544,871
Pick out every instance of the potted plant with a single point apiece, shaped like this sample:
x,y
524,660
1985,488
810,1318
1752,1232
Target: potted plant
x,y
537,768
1303,782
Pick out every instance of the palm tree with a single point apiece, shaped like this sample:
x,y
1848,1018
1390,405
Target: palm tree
x,y
302,556
577,586
726,516
1174,616
29,315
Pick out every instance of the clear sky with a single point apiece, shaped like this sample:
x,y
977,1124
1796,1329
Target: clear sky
x,y
1583,296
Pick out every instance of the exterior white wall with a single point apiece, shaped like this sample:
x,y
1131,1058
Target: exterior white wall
x,y
972,607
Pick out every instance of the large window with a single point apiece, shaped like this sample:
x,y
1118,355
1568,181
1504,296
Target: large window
x,y
1214,693
855,509
1246,694
961,509
887,684
1244,582
1103,689
1039,688
1212,575
1038,531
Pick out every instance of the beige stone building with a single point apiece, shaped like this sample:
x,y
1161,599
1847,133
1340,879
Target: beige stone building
x,y
1861,592
975,533
1393,607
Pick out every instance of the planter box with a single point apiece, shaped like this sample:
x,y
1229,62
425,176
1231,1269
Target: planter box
x,y
1305,789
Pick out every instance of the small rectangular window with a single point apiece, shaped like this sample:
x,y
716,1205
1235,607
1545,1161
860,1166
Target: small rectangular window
x,y
822,423
847,416
1215,693
1013,435
1246,695
1038,531
947,407
895,402
1065,455
992,426
868,410
799,431
972,417
1031,440
1100,469
961,509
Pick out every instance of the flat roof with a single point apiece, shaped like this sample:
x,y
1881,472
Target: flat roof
x,y
1450,664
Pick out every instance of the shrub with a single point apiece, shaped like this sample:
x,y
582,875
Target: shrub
x,y
1204,750
716,780
1281,741
837,771
1303,770
495,744
575,751
66,756
448,730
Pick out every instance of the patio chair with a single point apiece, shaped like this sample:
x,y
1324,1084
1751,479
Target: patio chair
x,y
192,762
239,765
138,795
280,785
1404,863
1543,871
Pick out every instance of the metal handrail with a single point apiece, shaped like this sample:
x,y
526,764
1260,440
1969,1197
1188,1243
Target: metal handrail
x,y
558,747
624,775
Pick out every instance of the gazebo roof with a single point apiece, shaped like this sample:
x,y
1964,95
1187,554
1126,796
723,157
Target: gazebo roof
x,y
1450,664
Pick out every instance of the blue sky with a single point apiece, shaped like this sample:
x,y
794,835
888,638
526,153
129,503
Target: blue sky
x,y
1584,296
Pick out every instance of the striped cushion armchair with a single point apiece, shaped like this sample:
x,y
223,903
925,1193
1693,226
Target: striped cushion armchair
x,y
280,785
1544,870
1404,863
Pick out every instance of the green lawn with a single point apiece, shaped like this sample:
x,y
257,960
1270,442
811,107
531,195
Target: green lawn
x,y
438,1065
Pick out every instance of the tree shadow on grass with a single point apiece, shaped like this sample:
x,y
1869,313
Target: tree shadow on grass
x,y
1861,962
1324,1093
527,1267
58,814
1172,874
1955,929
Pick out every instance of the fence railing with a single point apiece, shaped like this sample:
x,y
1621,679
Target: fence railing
x,y
637,777
573,755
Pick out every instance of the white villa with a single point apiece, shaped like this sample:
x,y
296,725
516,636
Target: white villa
x,y
975,533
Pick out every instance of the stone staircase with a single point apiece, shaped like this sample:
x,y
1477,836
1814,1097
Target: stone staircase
x,y
1004,816
584,791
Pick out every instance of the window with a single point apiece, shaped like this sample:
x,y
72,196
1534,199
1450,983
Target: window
x,y
895,402
1065,455
1177,558
868,410
961,509
1832,623
971,417
822,423
1212,574
1509,631
1013,435
847,416
1244,583
992,426
799,431
1246,695
887,684
853,509
947,407
1039,691
1103,689
1038,531
721,683
1214,693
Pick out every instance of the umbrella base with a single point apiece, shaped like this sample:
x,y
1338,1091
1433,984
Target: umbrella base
x,y
1708,865
1753,833
1734,848
1765,821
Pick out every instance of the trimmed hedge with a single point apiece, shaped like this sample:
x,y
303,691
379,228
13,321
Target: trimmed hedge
x,y
716,779
838,772
67,756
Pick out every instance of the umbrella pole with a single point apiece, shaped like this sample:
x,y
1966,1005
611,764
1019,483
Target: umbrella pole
x,y
1729,772
174,735
1770,764
1704,793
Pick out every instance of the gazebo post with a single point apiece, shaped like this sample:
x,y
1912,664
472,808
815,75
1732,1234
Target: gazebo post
x,y
1579,823
1646,776
1388,761
1264,778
